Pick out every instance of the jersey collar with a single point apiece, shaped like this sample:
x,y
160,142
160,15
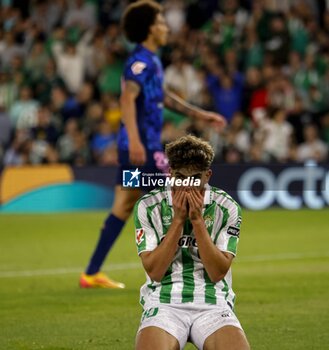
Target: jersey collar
x,y
207,196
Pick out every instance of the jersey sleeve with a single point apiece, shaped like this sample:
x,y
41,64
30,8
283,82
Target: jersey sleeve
x,y
137,71
144,233
229,232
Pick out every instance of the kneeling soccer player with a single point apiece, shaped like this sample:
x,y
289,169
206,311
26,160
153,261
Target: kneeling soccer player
x,y
187,237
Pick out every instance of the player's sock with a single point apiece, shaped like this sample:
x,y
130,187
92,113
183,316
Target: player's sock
x,y
110,232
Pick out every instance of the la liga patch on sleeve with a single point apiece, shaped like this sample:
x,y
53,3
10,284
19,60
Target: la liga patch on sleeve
x,y
233,231
140,233
138,67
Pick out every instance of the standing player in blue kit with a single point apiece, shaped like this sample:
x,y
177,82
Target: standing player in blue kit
x,y
139,141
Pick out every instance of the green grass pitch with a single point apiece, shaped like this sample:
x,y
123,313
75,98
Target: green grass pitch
x,y
281,278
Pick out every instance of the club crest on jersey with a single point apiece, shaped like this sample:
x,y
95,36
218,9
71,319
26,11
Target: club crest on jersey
x,y
140,235
208,220
138,67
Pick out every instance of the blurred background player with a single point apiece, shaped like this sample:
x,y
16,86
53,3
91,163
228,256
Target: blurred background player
x,y
139,141
187,254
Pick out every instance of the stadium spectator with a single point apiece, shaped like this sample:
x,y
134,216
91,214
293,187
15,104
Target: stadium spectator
x,y
81,14
65,144
103,144
44,130
109,79
19,151
5,129
112,111
298,118
175,14
313,148
238,136
37,61
9,49
181,78
46,81
71,65
23,112
64,107
277,135
8,89
226,91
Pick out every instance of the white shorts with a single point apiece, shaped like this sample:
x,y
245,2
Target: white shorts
x,y
189,322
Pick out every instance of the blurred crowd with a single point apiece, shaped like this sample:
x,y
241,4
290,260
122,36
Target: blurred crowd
x,y
262,64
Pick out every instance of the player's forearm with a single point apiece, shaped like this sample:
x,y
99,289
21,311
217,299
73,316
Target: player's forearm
x,y
129,118
157,262
214,261
174,102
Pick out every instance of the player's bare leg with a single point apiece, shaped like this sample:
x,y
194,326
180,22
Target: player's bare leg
x,y
124,201
151,338
228,338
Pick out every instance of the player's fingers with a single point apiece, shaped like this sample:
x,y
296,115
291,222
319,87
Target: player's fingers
x,y
197,199
191,200
177,198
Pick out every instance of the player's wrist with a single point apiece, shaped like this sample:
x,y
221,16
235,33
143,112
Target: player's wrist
x,y
134,141
180,220
197,220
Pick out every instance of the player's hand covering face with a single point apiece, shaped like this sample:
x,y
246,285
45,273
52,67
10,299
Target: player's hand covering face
x,y
188,200
179,201
195,203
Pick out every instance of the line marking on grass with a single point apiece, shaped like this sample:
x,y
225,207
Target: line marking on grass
x,y
63,271
135,265
284,256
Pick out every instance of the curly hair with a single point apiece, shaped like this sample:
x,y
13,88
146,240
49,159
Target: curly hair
x,y
190,152
138,18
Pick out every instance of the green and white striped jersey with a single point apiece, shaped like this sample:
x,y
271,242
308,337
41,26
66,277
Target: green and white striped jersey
x,y
186,279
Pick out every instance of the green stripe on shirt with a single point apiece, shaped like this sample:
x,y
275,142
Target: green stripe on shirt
x,y
210,291
166,287
188,268
232,244
226,216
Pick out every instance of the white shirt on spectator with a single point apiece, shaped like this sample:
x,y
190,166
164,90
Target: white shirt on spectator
x,y
185,82
23,114
316,150
277,137
71,67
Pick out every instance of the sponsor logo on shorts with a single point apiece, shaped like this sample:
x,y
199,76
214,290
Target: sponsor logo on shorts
x,y
226,314
150,312
233,231
140,235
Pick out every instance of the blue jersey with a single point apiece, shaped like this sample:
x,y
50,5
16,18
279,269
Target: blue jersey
x,y
144,68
